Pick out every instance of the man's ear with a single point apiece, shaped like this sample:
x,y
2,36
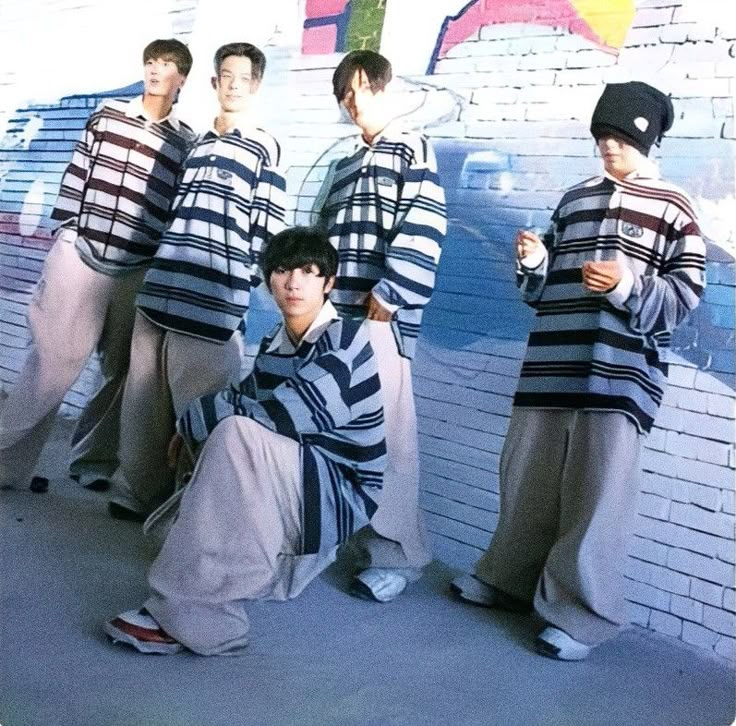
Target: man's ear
x,y
213,81
329,284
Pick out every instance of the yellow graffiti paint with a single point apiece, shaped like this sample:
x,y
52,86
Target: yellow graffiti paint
x,y
610,20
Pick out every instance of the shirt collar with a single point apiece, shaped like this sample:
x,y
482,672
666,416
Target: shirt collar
x,y
135,109
213,133
283,344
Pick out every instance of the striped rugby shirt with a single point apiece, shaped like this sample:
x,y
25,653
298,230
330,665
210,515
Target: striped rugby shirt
x,y
596,351
117,190
326,395
229,202
385,214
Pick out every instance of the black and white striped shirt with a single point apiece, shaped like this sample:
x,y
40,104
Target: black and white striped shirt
x,y
117,191
230,200
603,352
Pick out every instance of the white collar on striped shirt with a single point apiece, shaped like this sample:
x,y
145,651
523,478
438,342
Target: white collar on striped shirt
x,y
281,340
135,110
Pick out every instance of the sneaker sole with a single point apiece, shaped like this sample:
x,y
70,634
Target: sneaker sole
x,y
142,646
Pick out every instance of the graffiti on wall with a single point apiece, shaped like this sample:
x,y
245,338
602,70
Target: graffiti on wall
x,y
605,26
333,26
336,26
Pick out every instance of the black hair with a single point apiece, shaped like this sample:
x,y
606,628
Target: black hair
x,y
376,67
169,50
244,50
299,247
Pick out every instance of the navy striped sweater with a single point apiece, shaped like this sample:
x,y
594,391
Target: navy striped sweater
x,y
230,201
385,215
326,395
604,352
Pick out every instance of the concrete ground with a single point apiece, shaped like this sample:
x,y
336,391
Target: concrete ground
x,y
322,659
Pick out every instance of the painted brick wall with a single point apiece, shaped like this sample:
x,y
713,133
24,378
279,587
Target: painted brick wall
x,y
507,106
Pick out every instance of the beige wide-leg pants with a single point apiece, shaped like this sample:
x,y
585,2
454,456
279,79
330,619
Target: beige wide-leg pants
x,y
396,538
236,538
167,371
73,308
569,486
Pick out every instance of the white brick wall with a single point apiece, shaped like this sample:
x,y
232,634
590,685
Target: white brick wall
x,y
526,92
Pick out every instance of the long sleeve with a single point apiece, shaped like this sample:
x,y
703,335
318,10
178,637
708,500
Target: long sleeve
x,y
531,271
414,248
268,211
658,303
69,202
318,399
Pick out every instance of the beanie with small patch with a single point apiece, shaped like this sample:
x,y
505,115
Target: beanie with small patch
x,y
635,112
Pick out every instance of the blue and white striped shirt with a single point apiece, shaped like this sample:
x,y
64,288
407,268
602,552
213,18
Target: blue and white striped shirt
x,y
230,201
603,352
385,214
325,394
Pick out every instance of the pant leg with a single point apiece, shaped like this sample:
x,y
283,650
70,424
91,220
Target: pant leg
x,y
396,537
196,367
581,590
146,419
531,468
167,371
96,438
65,318
235,538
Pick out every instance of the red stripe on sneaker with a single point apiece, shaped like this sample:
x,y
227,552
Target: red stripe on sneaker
x,y
144,634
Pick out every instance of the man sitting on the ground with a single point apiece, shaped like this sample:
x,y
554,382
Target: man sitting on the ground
x,y
288,466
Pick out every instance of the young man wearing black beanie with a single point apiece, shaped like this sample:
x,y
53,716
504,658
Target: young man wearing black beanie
x,y
622,264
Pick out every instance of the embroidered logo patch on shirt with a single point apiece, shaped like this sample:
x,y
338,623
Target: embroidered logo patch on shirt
x,y
632,230
385,181
224,174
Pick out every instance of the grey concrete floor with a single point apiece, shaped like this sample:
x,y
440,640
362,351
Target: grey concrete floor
x,y
322,659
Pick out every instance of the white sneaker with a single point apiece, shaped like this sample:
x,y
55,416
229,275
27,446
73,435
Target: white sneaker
x,y
379,584
556,643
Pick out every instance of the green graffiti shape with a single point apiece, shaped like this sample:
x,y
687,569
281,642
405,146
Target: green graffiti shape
x,y
366,23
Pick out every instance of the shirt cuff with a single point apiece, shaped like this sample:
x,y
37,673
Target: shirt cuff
x,y
620,294
535,259
391,308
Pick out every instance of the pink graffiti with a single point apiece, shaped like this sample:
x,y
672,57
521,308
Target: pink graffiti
x,y
558,13
320,26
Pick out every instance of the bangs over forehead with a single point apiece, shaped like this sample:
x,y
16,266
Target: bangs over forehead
x,y
300,247
171,50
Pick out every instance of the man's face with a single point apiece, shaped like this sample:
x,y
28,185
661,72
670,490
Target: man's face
x,y
162,78
361,104
300,293
235,85
619,157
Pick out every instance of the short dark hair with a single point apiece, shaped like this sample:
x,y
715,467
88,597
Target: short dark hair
x,y
376,67
245,50
299,247
169,50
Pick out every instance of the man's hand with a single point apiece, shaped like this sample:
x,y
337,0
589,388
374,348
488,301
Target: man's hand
x,y
172,456
526,243
376,311
602,276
